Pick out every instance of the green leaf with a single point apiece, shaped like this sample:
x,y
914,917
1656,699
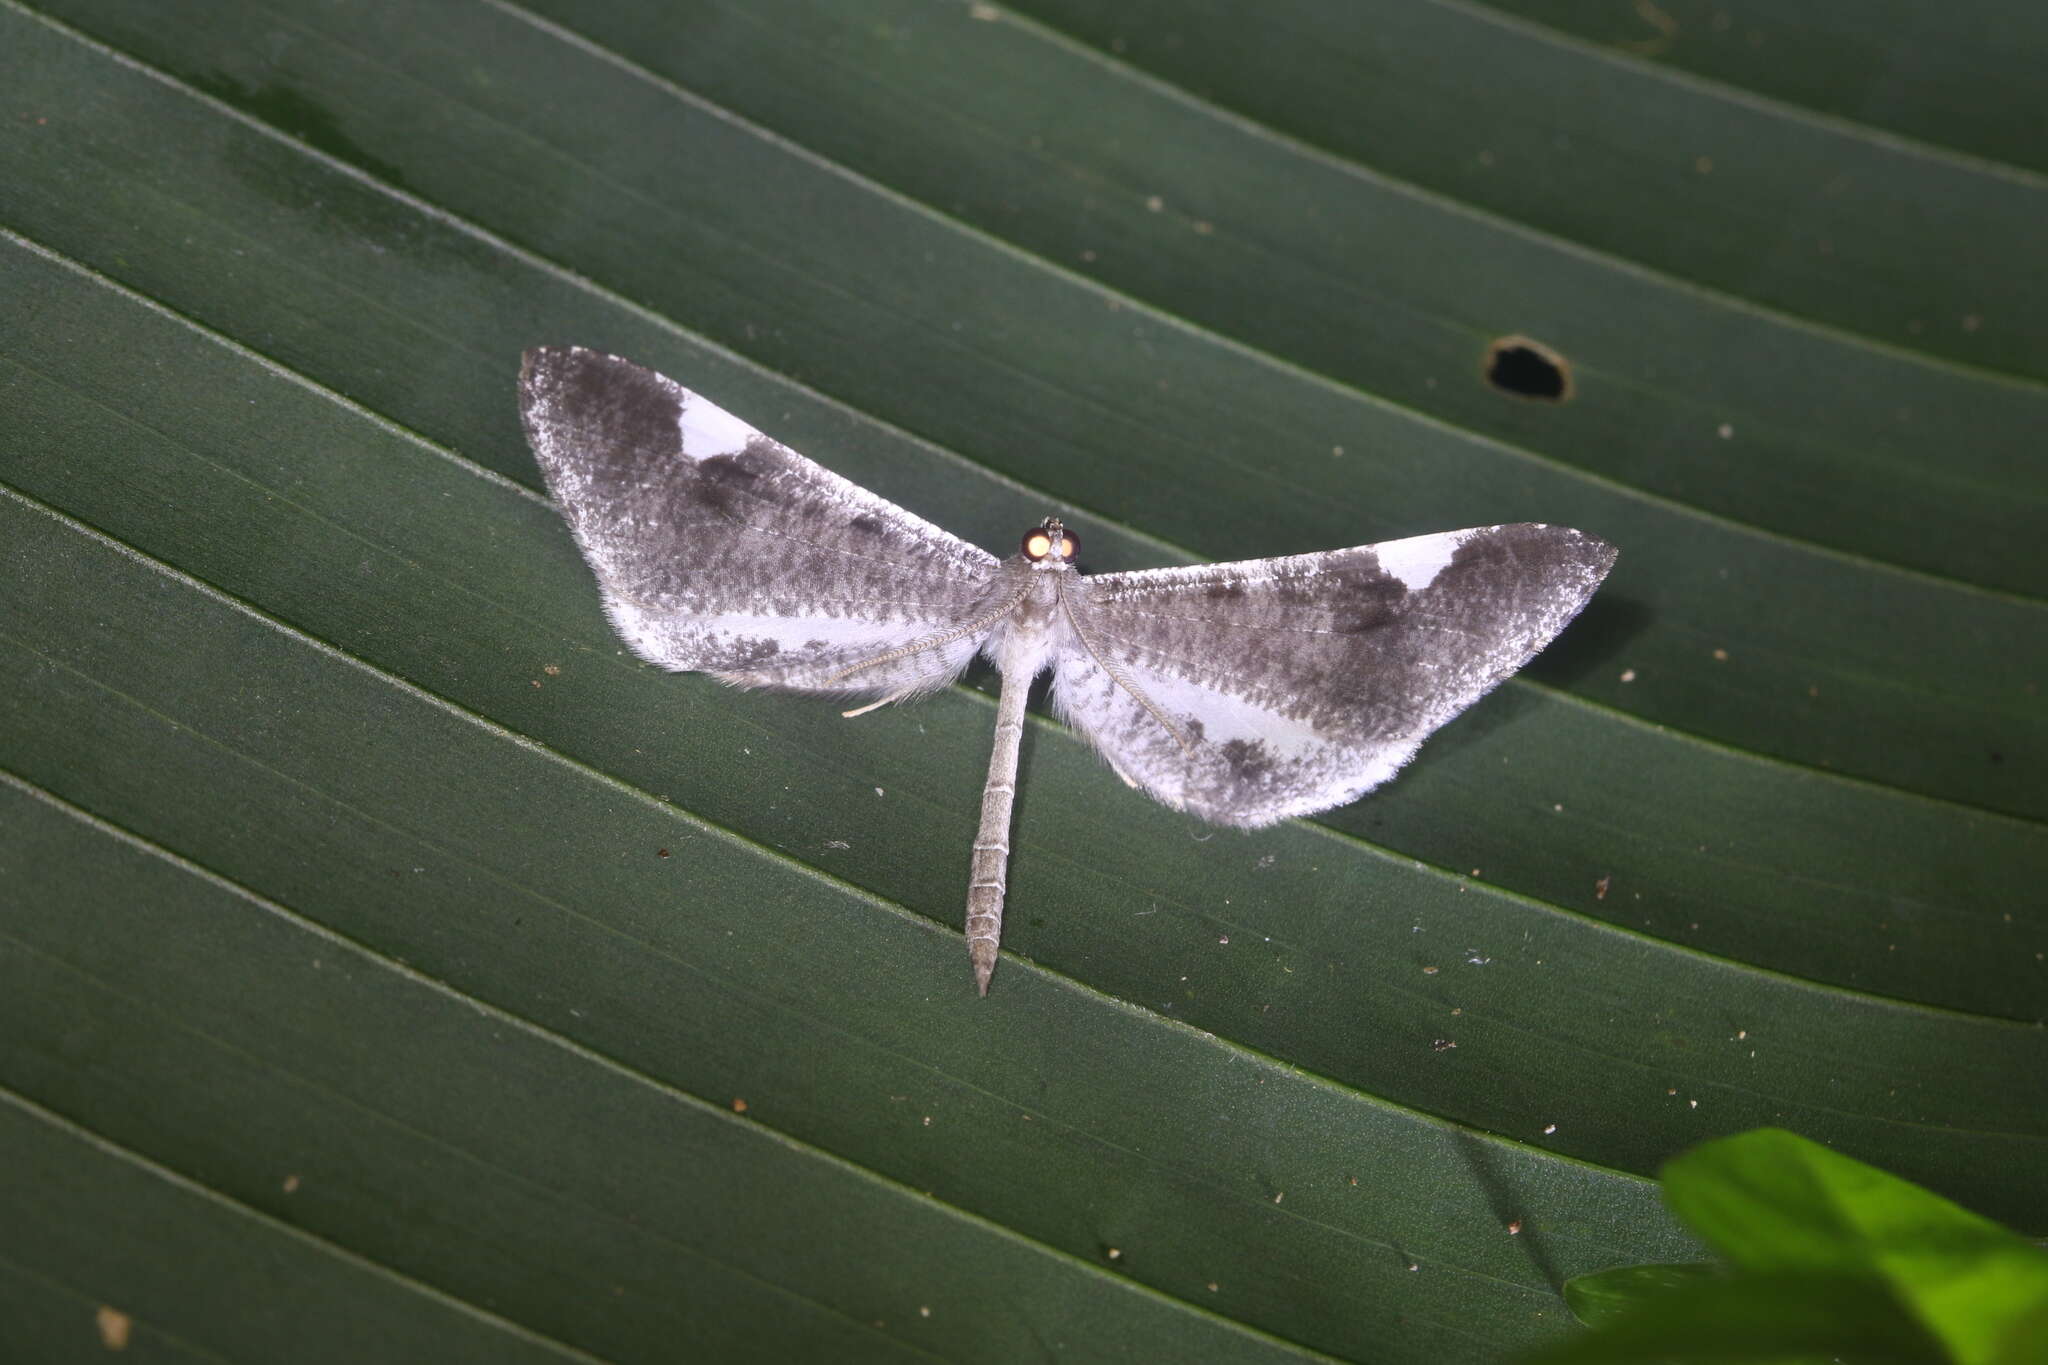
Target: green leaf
x,y
1831,1258
1606,1295
1771,1201
1766,1319
2025,1339
382,952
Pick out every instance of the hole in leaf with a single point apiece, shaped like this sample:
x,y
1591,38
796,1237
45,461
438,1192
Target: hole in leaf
x,y
1528,369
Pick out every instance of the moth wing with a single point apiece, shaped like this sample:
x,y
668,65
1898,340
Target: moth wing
x,y
1280,687
721,550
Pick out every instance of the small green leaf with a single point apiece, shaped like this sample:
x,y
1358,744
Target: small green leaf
x,y
1609,1294
2025,1339
1756,1318
1773,1201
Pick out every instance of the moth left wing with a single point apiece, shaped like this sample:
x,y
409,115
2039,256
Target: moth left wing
x,y
721,550
1250,692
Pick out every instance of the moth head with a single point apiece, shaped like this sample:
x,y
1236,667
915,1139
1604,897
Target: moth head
x,y
1050,543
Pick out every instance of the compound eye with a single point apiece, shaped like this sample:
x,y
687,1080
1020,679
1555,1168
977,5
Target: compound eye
x,y
1037,545
1069,546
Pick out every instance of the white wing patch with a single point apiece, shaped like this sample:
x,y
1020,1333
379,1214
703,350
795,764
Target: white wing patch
x,y
707,430
1250,765
794,632
1419,559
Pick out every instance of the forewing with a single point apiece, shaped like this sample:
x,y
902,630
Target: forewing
x,y
721,550
1280,687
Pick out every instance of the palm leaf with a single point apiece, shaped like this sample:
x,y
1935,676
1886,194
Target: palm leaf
x,y
394,968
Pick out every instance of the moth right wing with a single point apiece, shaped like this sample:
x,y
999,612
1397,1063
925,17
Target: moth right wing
x,y
1247,693
722,551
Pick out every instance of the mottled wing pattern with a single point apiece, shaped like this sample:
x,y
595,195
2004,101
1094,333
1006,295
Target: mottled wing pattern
x,y
1287,686
721,550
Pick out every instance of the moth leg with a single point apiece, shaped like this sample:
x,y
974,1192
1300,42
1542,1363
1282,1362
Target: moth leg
x,y
893,696
1125,681
1117,768
920,646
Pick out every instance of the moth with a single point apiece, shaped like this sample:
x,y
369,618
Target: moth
x,y
1241,693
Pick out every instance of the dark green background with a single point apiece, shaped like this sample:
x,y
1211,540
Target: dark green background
x,y
383,954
